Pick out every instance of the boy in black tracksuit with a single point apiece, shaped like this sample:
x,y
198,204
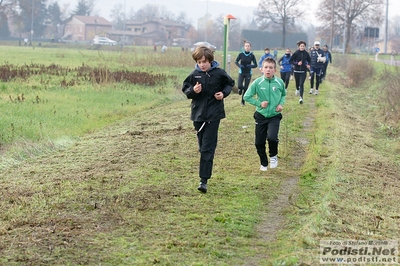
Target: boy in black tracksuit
x,y
316,67
207,86
245,61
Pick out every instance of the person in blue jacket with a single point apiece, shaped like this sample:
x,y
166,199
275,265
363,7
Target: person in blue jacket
x,y
245,61
207,86
265,55
267,93
286,67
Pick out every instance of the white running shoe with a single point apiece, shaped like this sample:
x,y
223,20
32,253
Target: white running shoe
x,y
311,91
316,92
301,100
296,93
263,168
273,163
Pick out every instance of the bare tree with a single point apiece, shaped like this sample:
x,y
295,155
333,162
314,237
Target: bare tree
x,y
278,12
395,26
6,4
118,16
348,15
147,13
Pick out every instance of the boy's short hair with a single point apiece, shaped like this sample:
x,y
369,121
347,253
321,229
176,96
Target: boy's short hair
x,y
266,48
301,42
269,60
201,51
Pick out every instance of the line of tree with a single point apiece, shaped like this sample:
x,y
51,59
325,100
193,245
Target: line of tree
x,y
349,18
336,17
28,15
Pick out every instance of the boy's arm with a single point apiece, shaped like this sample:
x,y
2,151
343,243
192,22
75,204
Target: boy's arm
x,y
187,88
283,98
249,95
229,83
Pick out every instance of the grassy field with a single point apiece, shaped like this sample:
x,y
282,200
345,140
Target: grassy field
x,y
112,179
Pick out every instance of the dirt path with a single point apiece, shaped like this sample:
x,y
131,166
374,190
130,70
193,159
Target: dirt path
x,y
274,219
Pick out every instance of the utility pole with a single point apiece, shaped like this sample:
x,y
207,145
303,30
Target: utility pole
x,y
345,27
123,38
32,24
332,22
386,26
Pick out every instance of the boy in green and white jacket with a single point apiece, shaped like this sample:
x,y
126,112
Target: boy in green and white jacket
x,y
268,94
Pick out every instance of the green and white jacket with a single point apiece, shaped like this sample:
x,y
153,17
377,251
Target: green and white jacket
x,y
264,89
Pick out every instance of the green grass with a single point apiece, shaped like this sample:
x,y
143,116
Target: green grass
x,y
120,189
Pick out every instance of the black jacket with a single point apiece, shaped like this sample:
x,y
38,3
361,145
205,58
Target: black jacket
x,y
245,62
298,56
205,107
314,55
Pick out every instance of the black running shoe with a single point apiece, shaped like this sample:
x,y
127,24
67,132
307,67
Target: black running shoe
x,y
202,187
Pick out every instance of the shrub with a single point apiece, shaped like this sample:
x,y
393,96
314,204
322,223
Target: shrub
x,y
358,72
391,97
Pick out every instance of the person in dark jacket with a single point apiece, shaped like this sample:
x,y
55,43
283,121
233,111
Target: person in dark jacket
x,y
207,86
245,61
328,56
286,67
317,63
300,60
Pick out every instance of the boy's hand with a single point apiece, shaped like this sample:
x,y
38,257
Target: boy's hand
x,y
197,88
264,104
279,108
219,96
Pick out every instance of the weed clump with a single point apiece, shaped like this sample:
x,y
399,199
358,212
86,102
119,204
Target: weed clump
x,y
96,75
391,98
358,72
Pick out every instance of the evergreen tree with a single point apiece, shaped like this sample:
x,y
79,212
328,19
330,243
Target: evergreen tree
x,y
35,20
82,8
54,14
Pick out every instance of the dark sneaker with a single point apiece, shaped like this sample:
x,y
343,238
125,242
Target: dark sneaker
x,y
240,92
202,187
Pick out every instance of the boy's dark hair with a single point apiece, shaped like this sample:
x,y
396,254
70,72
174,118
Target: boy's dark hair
x,y
301,42
269,60
201,51
266,48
